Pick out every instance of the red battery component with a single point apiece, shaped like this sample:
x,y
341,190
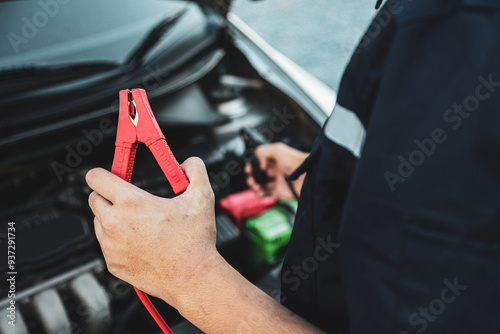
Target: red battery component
x,y
245,204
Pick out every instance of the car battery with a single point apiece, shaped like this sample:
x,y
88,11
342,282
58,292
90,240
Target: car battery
x,y
290,205
245,204
268,235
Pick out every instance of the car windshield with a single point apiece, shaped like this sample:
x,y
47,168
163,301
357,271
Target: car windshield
x,y
44,33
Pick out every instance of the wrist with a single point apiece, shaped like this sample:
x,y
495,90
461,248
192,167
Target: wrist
x,y
186,296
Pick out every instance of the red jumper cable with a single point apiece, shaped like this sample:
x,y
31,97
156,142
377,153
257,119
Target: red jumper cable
x,y
136,122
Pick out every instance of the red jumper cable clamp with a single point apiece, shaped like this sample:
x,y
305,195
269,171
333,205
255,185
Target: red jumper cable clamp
x,y
136,122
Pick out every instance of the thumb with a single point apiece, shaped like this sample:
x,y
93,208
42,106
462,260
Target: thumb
x,y
196,172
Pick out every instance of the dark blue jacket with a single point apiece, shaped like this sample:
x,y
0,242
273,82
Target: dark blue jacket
x,y
398,228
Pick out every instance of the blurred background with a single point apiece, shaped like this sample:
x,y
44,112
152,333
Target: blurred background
x,y
62,64
318,35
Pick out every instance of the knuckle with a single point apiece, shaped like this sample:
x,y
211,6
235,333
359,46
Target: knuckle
x,y
90,176
106,222
205,193
105,250
260,150
209,194
276,148
108,225
111,268
109,255
197,160
96,222
92,200
279,147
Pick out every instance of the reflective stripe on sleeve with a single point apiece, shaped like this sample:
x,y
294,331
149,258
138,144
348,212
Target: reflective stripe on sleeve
x,y
345,129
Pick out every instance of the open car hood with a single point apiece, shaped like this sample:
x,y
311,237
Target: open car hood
x,y
82,32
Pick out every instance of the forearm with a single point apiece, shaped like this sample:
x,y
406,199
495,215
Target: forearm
x,y
173,255
220,300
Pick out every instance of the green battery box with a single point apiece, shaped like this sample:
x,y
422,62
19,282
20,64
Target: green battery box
x,y
268,235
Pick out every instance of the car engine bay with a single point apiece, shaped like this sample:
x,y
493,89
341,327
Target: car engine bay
x,y
62,284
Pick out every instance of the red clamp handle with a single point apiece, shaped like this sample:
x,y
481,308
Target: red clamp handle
x,y
169,165
123,162
136,122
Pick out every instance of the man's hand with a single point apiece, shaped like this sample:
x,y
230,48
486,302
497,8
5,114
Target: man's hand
x,y
166,247
154,243
277,160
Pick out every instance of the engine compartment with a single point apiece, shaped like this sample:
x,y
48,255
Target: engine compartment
x,y
62,284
